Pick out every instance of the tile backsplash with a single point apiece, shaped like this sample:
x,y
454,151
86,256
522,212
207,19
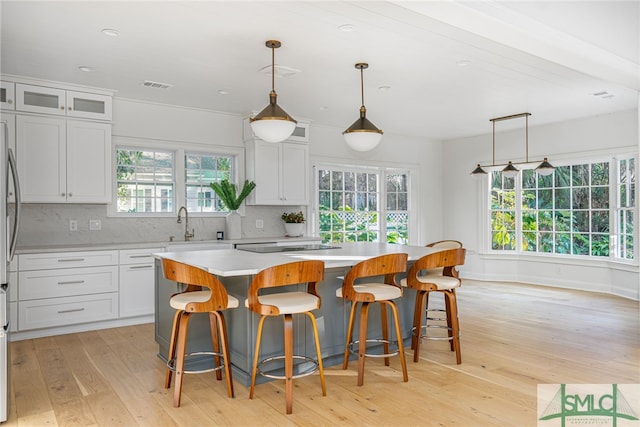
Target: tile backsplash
x,y
48,225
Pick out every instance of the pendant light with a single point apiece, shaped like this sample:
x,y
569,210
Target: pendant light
x,y
544,168
362,135
273,124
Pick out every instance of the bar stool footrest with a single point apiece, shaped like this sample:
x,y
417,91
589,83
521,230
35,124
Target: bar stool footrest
x,y
312,370
171,364
352,350
426,336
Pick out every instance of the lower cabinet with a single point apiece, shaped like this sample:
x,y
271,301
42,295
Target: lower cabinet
x,y
66,288
137,277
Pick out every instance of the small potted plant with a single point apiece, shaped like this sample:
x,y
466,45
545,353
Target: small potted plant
x,y
227,193
293,223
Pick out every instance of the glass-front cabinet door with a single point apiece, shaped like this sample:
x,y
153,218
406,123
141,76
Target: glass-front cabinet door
x,y
40,99
7,96
88,105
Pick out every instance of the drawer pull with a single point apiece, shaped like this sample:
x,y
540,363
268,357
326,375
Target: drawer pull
x,y
73,310
137,267
140,256
71,260
72,282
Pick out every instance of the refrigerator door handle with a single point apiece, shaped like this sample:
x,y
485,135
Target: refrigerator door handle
x,y
16,219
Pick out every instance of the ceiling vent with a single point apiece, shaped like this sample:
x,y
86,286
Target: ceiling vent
x,y
156,85
281,71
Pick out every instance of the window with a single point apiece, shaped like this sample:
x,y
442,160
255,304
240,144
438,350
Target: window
x,y
155,178
200,171
144,181
573,211
352,208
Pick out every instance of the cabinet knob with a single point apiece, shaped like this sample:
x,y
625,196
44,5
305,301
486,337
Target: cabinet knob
x,y
9,101
62,107
70,108
62,194
70,194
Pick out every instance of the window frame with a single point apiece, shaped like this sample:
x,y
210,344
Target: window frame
x,y
613,161
180,149
382,172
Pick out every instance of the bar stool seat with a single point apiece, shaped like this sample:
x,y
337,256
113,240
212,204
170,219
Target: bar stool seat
x,y
289,302
441,282
180,301
212,300
380,291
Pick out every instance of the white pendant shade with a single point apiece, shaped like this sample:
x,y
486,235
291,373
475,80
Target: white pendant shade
x,y
273,130
362,141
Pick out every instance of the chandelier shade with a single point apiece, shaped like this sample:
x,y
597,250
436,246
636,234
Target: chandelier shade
x,y
362,135
273,124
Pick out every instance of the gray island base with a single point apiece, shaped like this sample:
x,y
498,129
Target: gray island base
x,y
236,268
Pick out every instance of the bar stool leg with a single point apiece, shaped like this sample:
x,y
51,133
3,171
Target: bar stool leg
x,y
225,351
256,356
362,345
417,323
183,330
215,342
385,331
452,313
403,362
352,318
172,346
288,362
318,351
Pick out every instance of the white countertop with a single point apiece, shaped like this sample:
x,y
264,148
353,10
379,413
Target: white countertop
x,y
141,245
234,262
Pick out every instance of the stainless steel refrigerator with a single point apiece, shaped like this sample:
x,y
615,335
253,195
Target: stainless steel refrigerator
x,y
9,224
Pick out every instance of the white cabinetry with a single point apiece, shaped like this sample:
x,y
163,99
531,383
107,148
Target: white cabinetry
x,y
63,161
280,171
13,295
7,95
137,281
51,100
57,289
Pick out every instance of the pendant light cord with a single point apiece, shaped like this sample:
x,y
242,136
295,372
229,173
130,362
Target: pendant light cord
x,y
362,85
273,68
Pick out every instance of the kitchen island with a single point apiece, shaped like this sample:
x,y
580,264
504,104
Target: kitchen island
x,y
236,268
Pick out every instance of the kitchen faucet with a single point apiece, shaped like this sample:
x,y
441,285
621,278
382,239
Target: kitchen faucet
x,y
187,235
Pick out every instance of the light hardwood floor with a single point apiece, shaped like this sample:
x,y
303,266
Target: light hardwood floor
x,y
513,338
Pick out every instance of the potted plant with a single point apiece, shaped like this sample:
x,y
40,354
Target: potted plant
x,y
229,196
293,223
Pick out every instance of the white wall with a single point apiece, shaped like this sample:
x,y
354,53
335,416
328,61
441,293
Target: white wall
x,y
576,139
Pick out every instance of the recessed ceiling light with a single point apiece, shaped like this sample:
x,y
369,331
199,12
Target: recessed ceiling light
x,y
110,32
384,88
324,107
223,92
463,63
85,69
347,28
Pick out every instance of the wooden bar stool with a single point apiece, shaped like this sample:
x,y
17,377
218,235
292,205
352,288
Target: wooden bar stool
x,y
213,300
367,293
435,273
287,304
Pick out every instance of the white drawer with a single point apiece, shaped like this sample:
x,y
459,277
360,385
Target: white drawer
x,y
138,256
67,282
66,311
44,261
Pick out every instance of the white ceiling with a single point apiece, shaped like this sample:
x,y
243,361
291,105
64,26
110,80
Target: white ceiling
x,y
547,58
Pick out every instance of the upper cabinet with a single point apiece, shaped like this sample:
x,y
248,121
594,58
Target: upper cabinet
x,y
49,100
63,161
280,171
7,95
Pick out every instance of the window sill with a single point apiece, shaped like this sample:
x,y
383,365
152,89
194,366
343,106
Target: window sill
x,y
603,262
